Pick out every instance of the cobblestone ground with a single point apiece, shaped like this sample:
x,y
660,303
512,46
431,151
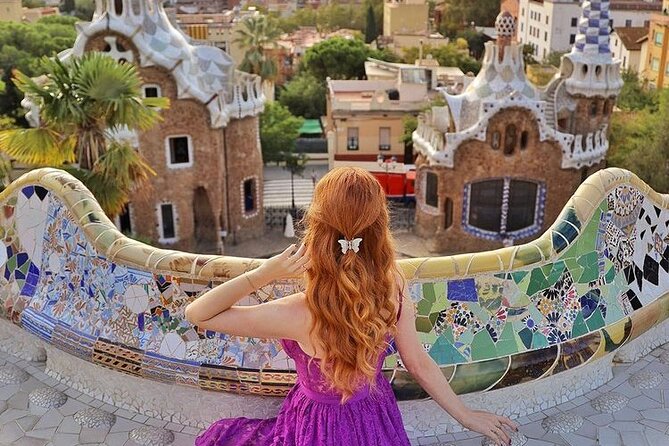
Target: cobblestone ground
x,y
36,410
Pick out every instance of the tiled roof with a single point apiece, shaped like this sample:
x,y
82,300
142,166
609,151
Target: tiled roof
x,y
632,37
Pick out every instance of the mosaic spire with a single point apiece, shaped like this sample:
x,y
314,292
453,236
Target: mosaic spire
x,y
594,28
589,69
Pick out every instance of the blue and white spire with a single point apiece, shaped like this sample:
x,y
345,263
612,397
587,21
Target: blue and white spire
x,y
589,68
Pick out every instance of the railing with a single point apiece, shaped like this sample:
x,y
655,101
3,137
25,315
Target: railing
x,y
597,279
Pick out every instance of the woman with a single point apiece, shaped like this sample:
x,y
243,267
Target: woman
x,y
352,313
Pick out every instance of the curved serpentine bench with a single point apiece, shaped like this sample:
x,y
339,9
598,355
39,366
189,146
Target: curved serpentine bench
x,y
517,329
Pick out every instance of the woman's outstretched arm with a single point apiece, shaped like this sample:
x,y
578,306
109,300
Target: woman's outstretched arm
x,y
215,309
428,374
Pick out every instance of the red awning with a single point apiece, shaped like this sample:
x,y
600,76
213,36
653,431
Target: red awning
x,y
411,175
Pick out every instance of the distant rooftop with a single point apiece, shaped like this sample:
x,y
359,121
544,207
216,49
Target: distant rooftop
x,y
632,37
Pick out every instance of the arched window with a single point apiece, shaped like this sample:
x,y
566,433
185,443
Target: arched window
x,y
448,213
431,189
510,139
524,136
501,208
495,140
593,108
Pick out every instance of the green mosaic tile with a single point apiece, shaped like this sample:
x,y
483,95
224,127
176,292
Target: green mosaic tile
x,y
610,274
433,318
482,346
448,335
579,327
539,340
595,321
519,275
613,312
390,362
538,281
443,352
440,294
525,336
424,307
428,338
556,270
467,337
423,324
508,342
428,292
590,268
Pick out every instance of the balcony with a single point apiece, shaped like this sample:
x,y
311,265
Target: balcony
x,y
384,146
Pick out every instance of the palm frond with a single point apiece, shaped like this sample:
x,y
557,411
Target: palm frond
x,y
125,166
39,146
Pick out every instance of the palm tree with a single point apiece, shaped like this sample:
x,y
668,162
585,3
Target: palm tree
x,y
258,33
81,103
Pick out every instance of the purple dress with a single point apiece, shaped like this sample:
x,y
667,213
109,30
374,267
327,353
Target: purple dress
x,y
312,415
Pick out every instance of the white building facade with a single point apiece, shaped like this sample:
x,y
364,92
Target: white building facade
x,y
551,25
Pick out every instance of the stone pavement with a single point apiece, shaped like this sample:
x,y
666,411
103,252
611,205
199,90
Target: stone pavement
x,y
631,409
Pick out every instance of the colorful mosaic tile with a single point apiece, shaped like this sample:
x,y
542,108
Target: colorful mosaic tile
x,y
490,320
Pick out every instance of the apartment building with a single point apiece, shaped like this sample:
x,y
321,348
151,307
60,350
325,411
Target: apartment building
x,y
552,25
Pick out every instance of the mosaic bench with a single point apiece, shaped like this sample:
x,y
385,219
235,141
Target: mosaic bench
x,y
528,314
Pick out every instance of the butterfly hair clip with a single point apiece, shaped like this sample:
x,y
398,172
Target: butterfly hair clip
x,y
353,245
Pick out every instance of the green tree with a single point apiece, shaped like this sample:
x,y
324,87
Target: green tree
x,y
640,143
554,58
409,124
528,54
448,55
633,96
279,130
84,9
371,32
304,96
80,103
22,46
258,33
460,14
32,3
337,58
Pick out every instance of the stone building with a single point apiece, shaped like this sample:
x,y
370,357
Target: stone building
x,y
11,10
497,164
364,118
655,58
206,151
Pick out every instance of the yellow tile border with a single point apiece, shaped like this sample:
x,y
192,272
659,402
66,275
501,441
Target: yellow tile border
x,y
107,240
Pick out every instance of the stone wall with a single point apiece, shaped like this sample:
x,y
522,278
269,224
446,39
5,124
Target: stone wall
x,y
477,160
233,151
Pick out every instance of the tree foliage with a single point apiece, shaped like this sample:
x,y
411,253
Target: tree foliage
x,y
257,33
334,16
460,14
22,46
81,104
279,130
640,142
633,96
447,55
371,31
304,96
337,58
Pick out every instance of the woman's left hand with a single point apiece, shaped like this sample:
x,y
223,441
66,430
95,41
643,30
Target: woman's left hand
x,y
492,426
290,263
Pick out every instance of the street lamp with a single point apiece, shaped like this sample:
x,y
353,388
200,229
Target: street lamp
x,y
388,165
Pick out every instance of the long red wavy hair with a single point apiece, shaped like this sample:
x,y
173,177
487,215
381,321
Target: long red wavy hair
x,y
350,296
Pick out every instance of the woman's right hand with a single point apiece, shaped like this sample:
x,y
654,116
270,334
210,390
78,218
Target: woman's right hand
x,y
291,262
490,425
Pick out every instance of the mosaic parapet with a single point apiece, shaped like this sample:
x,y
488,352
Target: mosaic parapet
x,y
595,280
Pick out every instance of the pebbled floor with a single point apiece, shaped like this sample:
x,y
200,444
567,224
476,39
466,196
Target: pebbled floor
x,y
631,409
